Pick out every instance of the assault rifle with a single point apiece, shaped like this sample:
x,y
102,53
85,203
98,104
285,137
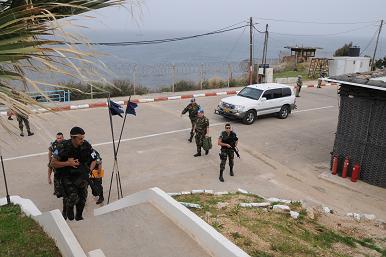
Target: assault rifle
x,y
234,148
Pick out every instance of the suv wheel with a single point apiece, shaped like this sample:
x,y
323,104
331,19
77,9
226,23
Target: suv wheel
x,y
284,112
249,117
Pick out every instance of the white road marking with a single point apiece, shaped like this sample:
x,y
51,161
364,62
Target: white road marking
x,y
149,136
314,109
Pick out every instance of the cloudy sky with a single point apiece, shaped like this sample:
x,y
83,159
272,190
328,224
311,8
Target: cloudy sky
x,y
207,15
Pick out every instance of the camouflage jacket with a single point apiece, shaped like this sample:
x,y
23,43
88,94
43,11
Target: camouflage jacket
x,y
192,108
299,83
201,125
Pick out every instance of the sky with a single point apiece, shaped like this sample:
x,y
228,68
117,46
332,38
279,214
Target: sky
x,y
208,15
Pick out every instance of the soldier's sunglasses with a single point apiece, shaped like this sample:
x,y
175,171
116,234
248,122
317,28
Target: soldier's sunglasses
x,y
227,127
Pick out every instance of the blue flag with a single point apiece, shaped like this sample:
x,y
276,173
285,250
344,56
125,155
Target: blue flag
x,y
130,108
115,109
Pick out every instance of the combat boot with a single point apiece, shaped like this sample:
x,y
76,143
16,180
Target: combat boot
x,y
30,133
197,154
70,212
206,152
231,172
221,177
64,212
79,211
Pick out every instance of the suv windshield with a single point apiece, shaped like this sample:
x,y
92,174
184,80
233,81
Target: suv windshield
x,y
251,93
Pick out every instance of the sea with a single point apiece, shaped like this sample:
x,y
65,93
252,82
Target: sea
x,y
201,58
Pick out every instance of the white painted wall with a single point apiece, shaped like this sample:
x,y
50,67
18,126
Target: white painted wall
x,y
346,65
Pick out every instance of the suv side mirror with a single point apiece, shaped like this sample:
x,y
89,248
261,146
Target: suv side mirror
x,y
263,99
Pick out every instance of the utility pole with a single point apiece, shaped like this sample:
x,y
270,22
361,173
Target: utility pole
x,y
265,49
376,46
250,51
5,178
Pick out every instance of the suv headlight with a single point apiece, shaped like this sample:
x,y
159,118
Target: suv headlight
x,y
239,108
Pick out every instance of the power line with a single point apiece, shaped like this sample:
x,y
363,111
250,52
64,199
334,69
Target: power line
x,y
317,35
370,42
315,22
159,41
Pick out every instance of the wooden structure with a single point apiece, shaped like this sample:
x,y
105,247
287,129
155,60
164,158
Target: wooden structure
x,y
302,53
318,68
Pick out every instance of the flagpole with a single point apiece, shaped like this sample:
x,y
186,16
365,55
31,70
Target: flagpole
x,y
119,142
5,179
112,135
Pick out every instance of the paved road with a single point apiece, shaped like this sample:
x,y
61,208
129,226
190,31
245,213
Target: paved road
x,y
280,158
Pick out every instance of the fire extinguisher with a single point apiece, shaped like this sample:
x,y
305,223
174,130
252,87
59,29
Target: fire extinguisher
x,y
355,172
345,167
334,164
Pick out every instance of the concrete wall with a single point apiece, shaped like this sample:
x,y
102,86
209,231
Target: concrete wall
x,y
346,65
209,239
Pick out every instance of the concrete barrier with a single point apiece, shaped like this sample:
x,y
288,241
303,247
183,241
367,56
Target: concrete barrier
x,y
54,225
206,236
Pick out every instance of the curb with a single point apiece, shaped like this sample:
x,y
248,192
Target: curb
x,y
146,100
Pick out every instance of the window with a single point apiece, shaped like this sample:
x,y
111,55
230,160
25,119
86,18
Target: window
x,y
286,92
251,93
268,94
277,93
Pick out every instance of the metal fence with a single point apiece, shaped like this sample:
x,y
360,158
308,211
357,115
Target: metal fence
x,y
53,95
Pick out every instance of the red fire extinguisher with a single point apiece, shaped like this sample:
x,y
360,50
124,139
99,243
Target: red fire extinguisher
x,y
334,164
345,167
355,172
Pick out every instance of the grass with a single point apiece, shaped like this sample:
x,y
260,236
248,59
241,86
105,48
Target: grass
x,y
266,233
21,236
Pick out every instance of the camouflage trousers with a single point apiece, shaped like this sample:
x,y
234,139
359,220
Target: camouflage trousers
x,y
97,189
75,191
199,140
193,121
58,188
22,119
224,155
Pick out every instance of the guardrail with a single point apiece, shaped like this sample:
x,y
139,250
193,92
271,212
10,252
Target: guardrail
x,y
53,95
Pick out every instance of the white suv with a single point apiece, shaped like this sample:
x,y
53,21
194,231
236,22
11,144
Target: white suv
x,y
258,99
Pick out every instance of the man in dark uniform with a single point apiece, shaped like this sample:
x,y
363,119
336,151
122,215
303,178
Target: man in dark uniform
x,y
227,140
192,108
96,176
299,84
202,130
51,149
71,160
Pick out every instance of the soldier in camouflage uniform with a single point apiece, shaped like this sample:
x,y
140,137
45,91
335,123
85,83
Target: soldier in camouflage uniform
x,y
299,84
227,140
71,160
192,108
202,130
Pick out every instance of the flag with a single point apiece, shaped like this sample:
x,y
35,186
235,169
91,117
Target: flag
x,y
130,108
115,109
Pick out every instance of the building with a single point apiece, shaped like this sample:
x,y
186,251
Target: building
x,y
346,65
301,53
361,130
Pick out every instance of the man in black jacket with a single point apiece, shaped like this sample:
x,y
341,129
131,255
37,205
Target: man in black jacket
x,y
228,141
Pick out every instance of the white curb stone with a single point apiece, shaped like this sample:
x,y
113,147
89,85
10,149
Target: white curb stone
x,y
278,200
174,194
248,205
191,205
242,191
185,193
327,210
281,208
221,193
368,216
209,192
294,214
198,191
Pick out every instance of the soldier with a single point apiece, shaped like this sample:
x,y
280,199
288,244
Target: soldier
x,y
96,176
299,84
202,130
192,108
228,141
23,118
71,160
51,149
